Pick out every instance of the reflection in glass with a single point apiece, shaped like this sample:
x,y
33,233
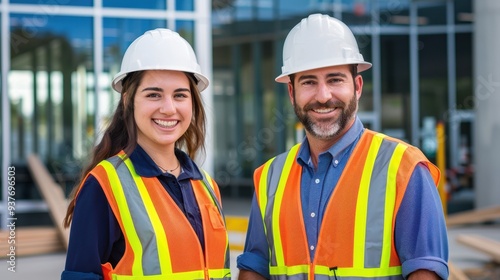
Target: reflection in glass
x,y
85,3
395,86
184,5
49,89
134,4
185,28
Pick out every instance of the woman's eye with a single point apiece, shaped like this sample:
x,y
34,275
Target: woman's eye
x,y
153,95
181,95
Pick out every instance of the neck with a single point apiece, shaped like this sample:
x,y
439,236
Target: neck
x,y
163,156
319,145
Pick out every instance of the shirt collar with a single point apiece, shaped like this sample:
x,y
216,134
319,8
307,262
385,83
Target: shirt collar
x,y
146,167
338,149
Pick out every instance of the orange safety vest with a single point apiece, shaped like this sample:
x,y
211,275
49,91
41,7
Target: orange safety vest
x,y
356,239
160,243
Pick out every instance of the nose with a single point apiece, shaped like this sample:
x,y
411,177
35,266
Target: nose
x,y
324,93
167,106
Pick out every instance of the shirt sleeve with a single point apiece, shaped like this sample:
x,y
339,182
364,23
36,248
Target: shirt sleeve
x,y
95,236
255,255
420,230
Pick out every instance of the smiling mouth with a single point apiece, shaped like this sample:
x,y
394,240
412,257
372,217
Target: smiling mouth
x,y
166,124
324,110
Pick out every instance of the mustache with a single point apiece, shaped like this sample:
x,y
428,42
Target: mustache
x,y
328,104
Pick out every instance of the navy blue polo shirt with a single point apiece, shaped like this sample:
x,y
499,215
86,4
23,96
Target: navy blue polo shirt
x,y
96,237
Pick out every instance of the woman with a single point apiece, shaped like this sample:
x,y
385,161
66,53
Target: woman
x,y
143,208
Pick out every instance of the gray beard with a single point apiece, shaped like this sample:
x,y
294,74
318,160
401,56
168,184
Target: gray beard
x,y
331,128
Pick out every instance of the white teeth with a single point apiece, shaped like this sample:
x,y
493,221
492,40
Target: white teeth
x,y
324,110
165,123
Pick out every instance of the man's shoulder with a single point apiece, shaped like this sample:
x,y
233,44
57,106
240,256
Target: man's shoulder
x,y
388,138
282,156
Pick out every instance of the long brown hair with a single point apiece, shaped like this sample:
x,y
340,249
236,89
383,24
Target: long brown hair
x,y
121,134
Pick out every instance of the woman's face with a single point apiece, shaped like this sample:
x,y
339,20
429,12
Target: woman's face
x,y
163,108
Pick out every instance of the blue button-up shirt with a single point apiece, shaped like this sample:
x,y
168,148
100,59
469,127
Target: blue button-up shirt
x,y
95,235
420,231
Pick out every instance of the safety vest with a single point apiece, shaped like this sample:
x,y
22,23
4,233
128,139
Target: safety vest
x,y
356,238
160,243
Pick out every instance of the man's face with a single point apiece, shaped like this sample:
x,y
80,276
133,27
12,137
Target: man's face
x,y
326,100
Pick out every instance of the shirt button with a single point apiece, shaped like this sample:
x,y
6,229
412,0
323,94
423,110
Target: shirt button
x,y
336,162
313,214
316,181
312,247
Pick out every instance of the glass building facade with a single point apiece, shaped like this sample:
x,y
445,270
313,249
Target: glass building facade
x,y
422,74
59,56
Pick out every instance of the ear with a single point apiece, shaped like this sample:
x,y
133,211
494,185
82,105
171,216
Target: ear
x,y
358,82
290,93
125,99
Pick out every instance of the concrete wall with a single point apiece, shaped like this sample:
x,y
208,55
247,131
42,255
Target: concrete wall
x,y
487,97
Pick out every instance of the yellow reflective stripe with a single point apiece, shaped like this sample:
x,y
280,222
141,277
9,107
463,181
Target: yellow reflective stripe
x,y
362,203
340,272
289,270
126,217
207,191
368,272
290,158
161,236
390,202
209,181
263,190
219,273
182,276
199,274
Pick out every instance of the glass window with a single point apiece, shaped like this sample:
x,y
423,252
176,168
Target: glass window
x,y
356,12
243,10
433,83
86,3
134,4
465,92
265,9
395,86
226,162
222,17
432,14
184,5
364,45
297,9
49,89
394,12
463,12
186,29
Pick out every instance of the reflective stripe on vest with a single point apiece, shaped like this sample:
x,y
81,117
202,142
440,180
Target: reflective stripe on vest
x,y
154,249
357,242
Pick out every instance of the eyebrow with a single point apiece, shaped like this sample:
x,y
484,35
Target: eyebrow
x,y
161,90
329,75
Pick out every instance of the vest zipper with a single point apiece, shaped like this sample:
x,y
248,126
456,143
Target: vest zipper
x,y
311,271
206,273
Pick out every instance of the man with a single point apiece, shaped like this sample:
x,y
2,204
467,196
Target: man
x,y
346,203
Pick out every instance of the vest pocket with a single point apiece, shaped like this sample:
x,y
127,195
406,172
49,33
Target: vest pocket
x,y
215,216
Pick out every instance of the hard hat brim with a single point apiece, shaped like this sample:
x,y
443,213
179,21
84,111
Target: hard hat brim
x,y
284,77
202,84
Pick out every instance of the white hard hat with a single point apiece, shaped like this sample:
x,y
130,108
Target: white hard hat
x,y
319,41
160,49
